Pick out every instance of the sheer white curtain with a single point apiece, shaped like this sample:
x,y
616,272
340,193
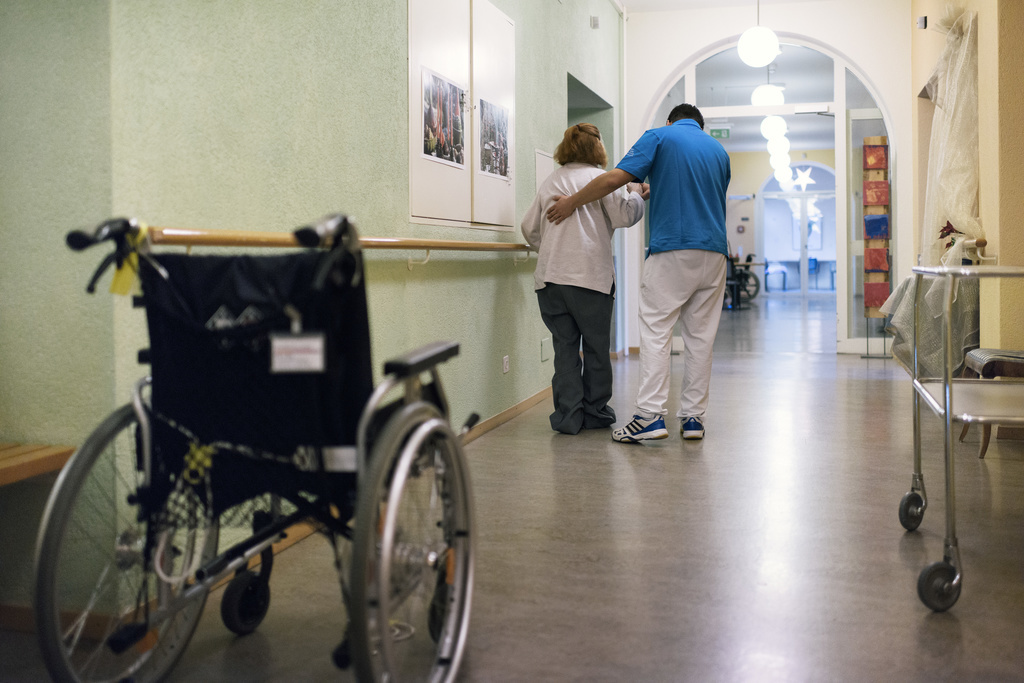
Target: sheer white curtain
x,y
951,196
951,193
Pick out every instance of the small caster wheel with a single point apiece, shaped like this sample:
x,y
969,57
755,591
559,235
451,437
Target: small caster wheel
x,y
911,510
935,586
341,655
245,602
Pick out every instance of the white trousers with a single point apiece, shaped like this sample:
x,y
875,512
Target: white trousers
x,y
687,285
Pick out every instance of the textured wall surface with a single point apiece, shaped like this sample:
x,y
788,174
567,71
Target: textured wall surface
x,y
264,116
55,341
1011,171
259,117
270,115
55,351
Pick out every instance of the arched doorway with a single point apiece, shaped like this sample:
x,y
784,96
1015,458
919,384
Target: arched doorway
x,y
826,94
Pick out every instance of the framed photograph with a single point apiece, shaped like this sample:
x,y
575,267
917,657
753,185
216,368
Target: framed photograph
x,y
444,121
493,140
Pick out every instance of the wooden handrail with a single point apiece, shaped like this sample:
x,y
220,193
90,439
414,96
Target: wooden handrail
x,y
251,238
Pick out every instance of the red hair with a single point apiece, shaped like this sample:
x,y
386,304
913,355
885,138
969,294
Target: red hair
x,y
582,143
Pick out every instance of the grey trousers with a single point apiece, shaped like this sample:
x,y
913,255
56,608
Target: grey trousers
x,y
580,389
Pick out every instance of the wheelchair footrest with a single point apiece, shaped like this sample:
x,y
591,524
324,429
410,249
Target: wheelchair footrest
x,y
421,359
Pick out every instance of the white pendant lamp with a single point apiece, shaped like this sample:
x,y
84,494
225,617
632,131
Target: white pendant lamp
x,y
778,145
767,95
773,127
758,45
784,175
778,161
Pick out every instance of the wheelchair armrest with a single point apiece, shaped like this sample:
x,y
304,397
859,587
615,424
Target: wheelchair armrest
x,y
423,358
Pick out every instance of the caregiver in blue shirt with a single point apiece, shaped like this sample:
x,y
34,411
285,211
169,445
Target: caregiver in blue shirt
x,y
684,274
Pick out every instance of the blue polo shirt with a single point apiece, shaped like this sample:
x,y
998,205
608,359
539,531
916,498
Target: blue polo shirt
x,y
689,173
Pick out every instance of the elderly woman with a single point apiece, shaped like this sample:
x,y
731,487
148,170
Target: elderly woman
x,y
575,279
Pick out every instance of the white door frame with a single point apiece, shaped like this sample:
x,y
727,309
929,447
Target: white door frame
x,y
633,247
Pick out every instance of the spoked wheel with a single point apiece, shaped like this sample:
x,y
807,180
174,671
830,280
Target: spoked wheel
x,y
102,612
412,564
750,287
936,587
911,510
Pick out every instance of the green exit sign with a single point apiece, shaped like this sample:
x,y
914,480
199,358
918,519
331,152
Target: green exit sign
x,y
719,133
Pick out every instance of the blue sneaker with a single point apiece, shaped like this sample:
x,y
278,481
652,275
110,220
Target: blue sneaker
x,y
692,428
641,429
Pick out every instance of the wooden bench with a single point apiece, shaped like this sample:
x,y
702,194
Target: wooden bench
x,y
23,461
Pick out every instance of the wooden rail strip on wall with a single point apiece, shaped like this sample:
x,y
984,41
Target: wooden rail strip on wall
x,y
253,238
22,461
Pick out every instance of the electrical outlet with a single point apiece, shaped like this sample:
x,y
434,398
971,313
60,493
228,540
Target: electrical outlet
x,y
504,364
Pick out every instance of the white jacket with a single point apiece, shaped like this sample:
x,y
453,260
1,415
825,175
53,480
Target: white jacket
x,y
579,251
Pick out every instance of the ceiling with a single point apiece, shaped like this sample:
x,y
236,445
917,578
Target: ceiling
x,y
671,5
806,76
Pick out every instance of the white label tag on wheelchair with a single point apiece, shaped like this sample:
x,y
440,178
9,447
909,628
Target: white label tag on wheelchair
x,y
297,353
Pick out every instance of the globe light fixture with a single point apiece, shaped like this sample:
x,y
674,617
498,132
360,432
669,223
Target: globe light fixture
x,y
773,127
758,45
767,95
778,161
778,145
784,175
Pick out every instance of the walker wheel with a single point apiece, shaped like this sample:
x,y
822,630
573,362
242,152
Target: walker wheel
x,y
245,602
911,510
341,655
935,586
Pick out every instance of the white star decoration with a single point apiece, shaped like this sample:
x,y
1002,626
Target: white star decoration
x,y
803,179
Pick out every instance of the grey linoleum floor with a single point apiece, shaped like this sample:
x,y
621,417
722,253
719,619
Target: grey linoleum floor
x,y
770,551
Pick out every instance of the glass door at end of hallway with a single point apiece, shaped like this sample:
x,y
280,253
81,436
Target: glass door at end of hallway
x,y
800,234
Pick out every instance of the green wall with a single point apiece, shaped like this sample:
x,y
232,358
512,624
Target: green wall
x,y
261,115
55,355
265,117
56,365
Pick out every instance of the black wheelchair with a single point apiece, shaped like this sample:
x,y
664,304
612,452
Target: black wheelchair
x,y
741,285
748,283
259,413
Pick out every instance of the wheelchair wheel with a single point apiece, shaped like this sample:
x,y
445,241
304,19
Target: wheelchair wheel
x,y
750,286
412,554
102,613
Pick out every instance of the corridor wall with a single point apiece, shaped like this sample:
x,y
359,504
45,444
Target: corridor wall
x,y
256,116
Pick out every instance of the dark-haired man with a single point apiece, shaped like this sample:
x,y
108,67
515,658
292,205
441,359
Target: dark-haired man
x,y
684,274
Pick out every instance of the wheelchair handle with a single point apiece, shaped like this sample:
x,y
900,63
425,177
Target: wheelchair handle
x,y
330,230
336,232
115,229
